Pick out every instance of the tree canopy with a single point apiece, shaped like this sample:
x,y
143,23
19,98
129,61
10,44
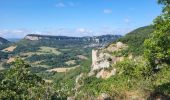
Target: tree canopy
x,y
158,45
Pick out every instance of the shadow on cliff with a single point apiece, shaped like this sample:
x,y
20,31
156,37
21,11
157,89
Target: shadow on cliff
x,y
159,92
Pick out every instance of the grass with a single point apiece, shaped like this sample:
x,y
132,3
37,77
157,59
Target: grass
x,y
9,49
132,80
41,51
48,50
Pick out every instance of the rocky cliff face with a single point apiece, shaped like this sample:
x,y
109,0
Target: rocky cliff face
x,y
32,38
103,59
93,41
100,60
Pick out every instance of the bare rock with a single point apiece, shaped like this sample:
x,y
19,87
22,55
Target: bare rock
x,y
71,98
104,96
106,74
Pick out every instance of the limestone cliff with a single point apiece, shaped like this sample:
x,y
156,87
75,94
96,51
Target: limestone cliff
x,y
104,58
32,38
93,41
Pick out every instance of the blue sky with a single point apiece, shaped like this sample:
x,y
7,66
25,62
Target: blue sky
x,y
75,17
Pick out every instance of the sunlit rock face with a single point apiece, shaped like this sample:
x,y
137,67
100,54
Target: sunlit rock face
x,y
99,60
103,60
90,41
32,38
116,47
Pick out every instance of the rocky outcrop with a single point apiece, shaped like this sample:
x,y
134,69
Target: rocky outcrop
x,y
116,47
104,96
99,60
104,74
32,38
104,58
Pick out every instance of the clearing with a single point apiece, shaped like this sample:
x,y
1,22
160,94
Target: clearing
x,y
9,49
44,49
61,70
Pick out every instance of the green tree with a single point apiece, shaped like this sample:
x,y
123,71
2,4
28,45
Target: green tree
x,y
158,45
19,83
166,4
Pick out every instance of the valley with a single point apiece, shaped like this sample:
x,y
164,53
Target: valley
x,y
49,52
77,66
84,50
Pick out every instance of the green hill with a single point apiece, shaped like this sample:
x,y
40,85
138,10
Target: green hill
x,y
3,41
136,38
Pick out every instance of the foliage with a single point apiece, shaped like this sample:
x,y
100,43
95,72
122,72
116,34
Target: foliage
x,y
18,83
65,82
131,75
136,38
166,8
38,53
158,45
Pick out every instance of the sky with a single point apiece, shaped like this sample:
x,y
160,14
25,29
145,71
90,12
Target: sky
x,y
74,17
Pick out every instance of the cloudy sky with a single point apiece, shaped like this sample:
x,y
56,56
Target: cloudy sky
x,y
74,17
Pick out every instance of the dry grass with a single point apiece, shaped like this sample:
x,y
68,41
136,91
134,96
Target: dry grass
x,y
48,81
28,54
44,49
61,70
41,51
71,62
82,57
10,60
9,49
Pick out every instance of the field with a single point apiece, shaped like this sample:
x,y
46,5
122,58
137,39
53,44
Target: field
x,y
9,49
48,50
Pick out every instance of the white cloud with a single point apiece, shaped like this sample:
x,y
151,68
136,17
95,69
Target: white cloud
x,y
16,33
107,11
127,20
65,4
76,32
83,30
60,5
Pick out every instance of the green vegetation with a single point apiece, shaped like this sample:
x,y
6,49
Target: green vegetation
x,y
136,38
144,76
141,76
48,53
17,83
158,45
132,76
49,50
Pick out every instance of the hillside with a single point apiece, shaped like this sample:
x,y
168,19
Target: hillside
x,y
3,41
46,52
107,67
95,41
136,38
